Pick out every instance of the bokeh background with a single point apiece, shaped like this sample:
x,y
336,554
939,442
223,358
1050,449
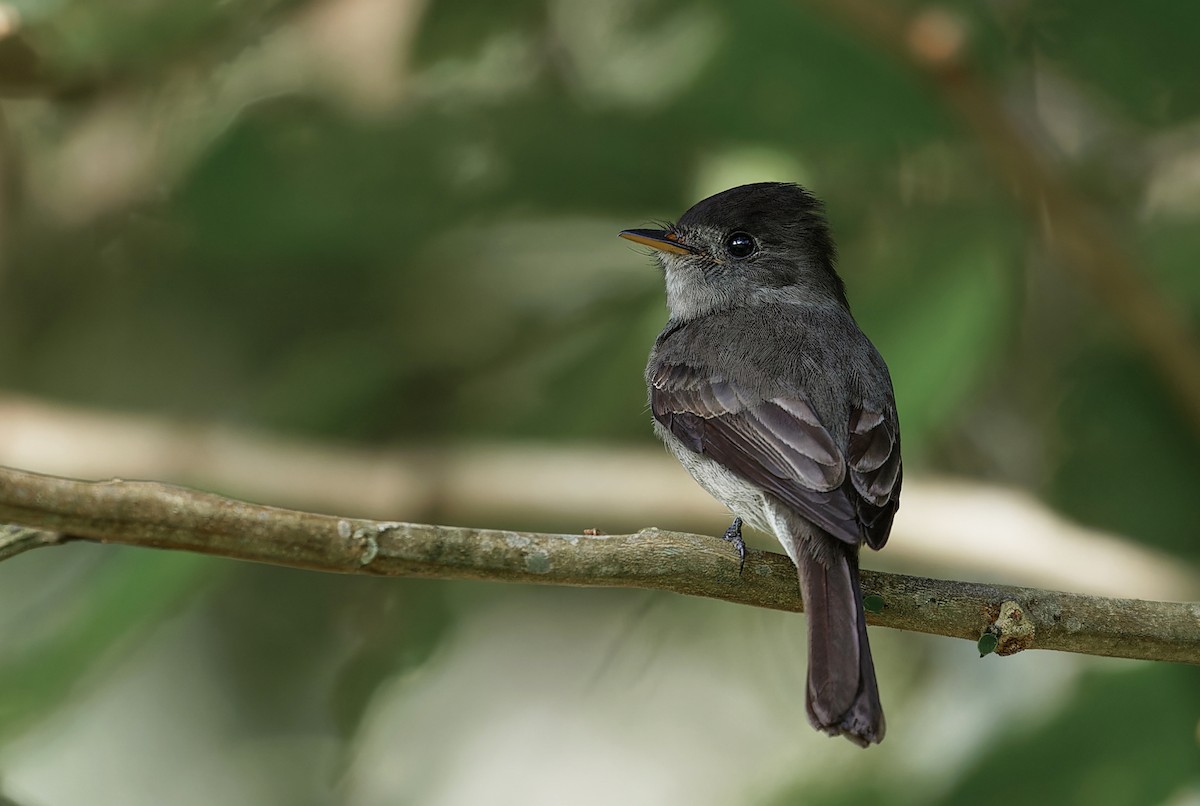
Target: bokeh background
x,y
360,256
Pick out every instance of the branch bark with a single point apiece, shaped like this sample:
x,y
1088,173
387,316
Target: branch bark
x,y
549,485
151,514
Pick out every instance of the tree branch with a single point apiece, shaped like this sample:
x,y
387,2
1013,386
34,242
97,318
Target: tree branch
x,y
520,482
162,516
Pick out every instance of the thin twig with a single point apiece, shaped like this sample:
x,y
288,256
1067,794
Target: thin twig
x,y
16,539
162,516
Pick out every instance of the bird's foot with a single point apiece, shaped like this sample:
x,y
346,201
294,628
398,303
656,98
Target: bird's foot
x,y
734,535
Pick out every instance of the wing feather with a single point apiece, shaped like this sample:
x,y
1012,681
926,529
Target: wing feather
x,y
782,445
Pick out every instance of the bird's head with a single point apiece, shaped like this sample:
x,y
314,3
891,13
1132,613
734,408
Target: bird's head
x,y
748,245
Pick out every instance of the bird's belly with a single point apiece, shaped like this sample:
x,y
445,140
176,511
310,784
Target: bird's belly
x,y
742,498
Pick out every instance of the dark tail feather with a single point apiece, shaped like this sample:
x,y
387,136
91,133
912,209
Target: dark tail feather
x,y
842,697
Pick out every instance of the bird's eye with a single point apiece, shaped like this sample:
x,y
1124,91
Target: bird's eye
x,y
740,245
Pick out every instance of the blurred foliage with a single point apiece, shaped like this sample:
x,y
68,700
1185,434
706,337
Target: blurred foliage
x,y
1124,739
277,214
1139,732
123,595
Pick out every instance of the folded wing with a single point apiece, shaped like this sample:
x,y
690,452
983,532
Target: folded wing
x,y
779,443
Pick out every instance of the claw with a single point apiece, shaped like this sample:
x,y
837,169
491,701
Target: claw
x,y
734,535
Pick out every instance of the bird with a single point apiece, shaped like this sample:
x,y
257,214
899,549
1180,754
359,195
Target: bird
x,y
766,390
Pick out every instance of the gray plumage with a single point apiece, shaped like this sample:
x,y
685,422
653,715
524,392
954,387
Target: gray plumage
x,y
765,389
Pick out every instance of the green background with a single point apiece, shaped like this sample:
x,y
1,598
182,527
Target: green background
x,y
393,224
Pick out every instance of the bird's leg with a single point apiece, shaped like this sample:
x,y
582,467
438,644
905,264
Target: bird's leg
x,y
734,535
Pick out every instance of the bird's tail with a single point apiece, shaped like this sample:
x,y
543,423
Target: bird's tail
x,y
842,696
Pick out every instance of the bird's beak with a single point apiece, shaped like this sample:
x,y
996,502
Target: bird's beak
x,y
659,239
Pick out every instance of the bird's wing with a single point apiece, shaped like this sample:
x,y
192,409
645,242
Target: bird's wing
x,y
780,444
876,471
